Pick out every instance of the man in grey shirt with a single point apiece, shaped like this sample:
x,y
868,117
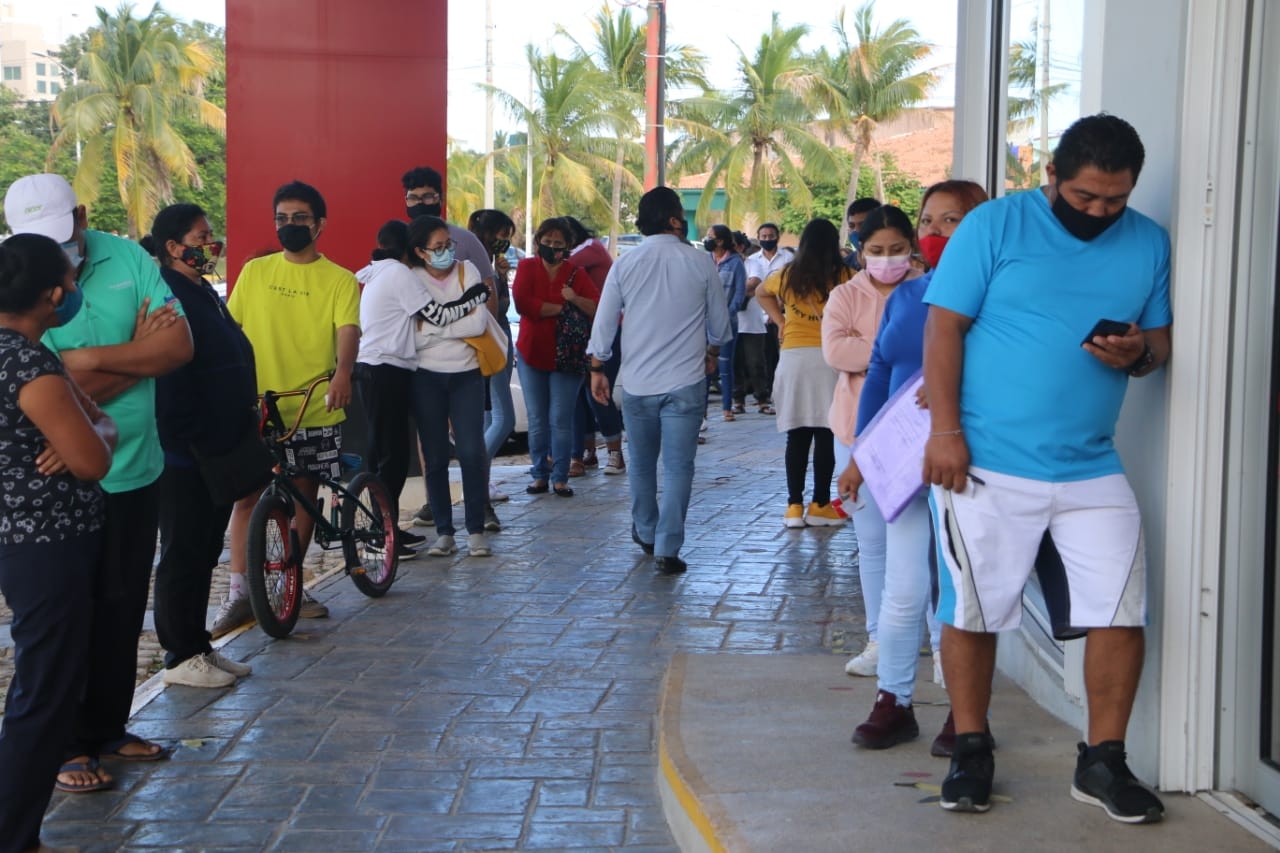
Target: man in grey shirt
x,y
676,320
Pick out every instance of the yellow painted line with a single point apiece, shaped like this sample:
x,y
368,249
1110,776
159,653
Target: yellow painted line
x,y
688,802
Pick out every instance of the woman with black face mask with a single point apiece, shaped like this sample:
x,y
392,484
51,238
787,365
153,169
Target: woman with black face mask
x,y
206,407
545,287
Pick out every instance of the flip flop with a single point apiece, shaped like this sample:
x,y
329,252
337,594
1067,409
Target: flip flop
x,y
111,750
90,766
766,409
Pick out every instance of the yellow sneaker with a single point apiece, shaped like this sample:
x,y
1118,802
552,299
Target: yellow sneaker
x,y
794,516
825,516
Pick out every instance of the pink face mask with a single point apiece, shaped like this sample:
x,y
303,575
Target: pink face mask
x,y
889,270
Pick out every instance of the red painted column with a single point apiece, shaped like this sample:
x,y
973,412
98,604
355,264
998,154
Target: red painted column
x,y
344,96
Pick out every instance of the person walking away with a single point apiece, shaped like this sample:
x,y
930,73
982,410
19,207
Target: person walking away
x,y
676,320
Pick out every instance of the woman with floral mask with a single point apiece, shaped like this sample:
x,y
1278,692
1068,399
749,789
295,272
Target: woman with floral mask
x,y
848,330
207,405
545,286
448,389
905,604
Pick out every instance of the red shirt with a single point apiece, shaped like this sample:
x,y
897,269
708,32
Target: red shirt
x,y
531,288
595,260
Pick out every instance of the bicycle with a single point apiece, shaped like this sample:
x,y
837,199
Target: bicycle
x,y
361,521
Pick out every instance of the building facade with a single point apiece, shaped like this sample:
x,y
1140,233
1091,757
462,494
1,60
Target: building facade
x,y
27,65
1201,439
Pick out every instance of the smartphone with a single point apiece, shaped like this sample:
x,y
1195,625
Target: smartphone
x,y
1106,327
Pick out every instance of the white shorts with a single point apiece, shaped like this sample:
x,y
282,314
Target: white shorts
x,y
987,538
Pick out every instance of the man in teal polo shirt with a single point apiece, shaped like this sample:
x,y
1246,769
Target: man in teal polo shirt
x,y
129,331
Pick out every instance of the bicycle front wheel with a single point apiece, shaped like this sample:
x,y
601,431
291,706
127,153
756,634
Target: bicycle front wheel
x,y
275,568
370,522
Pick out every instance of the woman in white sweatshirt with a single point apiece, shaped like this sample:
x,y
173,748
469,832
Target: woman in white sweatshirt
x,y
448,390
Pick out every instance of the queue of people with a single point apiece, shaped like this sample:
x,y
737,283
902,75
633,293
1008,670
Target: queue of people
x,y
111,422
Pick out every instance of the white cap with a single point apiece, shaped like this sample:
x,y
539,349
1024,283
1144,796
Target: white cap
x,y
41,204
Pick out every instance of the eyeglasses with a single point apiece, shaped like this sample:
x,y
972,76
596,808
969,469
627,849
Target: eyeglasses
x,y
448,244
296,219
425,198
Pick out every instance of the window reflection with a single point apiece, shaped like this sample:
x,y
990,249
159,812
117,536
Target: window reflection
x,y
1045,50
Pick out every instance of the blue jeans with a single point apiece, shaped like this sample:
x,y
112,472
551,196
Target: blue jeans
x,y
908,598
439,400
607,419
668,423
500,420
869,527
725,363
549,399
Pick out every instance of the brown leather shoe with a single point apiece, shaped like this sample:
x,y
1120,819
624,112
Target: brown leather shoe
x,y
889,724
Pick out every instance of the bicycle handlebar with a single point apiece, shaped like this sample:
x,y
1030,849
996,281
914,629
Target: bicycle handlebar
x,y
271,412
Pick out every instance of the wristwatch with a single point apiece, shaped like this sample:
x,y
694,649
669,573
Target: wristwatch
x,y
1142,362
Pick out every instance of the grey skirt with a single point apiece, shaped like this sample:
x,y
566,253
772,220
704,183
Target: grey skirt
x,y
802,389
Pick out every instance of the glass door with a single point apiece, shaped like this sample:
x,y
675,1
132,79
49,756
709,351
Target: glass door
x,y
1250,724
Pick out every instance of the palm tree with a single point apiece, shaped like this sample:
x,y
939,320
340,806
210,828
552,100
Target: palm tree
x,y
569,114
135,80
1027,102
877,78
619,53
761,135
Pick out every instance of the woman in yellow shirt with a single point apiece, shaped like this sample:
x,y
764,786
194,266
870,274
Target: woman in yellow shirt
x,y
794,298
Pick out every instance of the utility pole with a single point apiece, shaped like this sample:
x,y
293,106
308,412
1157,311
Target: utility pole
x,y
655,99
1043,55
528,173
488,103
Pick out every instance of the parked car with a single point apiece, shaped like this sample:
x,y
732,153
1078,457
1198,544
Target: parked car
x,y
625,241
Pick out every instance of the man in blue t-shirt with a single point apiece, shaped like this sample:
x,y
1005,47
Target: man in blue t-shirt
x,y
1025,386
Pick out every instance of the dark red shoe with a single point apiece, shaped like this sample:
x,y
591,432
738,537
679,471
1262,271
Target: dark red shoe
x,y
944,745
888,725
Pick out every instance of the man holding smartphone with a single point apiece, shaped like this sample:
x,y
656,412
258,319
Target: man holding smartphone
x,y
1023,417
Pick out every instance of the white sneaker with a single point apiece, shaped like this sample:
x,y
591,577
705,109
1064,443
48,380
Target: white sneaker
x,y
478,546
496,496
616,464
198,671
938,678
865,663
443,546
239,670
231,615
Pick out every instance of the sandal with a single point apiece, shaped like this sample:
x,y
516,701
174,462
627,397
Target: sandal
x,y
766,409
538,487
563,492
729,415
590,460
739,409
576,468
112,749
92,767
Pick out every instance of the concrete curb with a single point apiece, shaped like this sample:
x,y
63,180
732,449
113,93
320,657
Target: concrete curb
x,y
697,824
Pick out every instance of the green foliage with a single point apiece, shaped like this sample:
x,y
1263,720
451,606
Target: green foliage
x,y
900,190
137,79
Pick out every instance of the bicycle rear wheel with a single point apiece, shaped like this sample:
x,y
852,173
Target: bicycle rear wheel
x,y
370,551
275,567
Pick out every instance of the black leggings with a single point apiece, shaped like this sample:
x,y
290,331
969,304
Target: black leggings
x,y
824,463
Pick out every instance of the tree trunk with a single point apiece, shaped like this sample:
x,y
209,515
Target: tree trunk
x,y
616,200
880,177
859,151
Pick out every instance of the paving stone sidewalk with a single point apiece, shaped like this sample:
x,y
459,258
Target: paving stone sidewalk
x,y
503,703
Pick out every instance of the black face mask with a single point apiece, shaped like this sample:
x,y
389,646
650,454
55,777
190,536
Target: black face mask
x,y
709,244
294,238
499,247
416,210
768,245
550,254
1081,225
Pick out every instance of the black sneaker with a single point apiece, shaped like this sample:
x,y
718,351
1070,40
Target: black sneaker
x,y
410,539
967,787
491,522
424,516
1103,779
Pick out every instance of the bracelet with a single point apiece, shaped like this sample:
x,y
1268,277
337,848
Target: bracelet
x,y
946,432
